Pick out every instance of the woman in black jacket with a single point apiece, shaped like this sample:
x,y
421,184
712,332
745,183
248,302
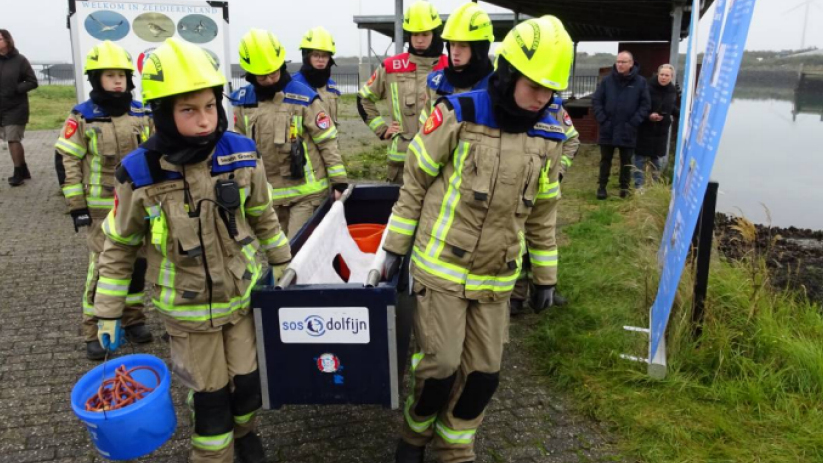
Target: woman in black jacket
x,y
653,134
16,80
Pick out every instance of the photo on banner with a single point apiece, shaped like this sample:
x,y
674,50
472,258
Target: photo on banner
x,y
141,26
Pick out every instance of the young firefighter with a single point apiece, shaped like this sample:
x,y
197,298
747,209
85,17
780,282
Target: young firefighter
x,y
318,50
521,291
97,135
199,196
402,79
480,188
296,137
468,34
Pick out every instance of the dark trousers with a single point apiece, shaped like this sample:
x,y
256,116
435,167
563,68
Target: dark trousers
x,y
606,155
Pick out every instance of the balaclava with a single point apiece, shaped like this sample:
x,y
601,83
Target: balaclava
x,y
112,103
178,149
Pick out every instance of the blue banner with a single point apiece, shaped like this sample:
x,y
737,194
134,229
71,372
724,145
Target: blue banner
x,y
704,127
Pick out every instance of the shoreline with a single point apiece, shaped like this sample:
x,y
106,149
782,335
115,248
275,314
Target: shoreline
x,y
794,256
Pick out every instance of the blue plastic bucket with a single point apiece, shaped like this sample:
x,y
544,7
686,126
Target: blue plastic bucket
x,y
134,430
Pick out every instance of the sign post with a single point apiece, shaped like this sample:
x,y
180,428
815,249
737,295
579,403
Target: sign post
x,y
701,135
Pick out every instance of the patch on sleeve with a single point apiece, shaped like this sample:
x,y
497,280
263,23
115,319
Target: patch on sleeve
x,y
322,120
371,79
566,119
70,129
433,122
116,202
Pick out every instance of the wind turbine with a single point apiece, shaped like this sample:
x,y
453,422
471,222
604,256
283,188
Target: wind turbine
x,y
806,4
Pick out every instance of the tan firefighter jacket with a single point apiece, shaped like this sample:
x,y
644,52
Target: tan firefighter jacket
x,y
478,198
294,116
92,144
402,80
201,276
438,86
329,94
572,143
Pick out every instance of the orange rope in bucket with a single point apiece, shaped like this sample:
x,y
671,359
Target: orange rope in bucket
x,y
120,391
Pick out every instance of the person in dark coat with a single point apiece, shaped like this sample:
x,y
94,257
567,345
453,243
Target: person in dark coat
x,y
16,80
621,103
653,136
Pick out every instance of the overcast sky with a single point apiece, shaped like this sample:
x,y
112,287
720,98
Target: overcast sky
x,y
38,26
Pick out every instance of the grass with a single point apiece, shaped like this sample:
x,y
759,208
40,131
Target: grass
x,y
369,164
747,391
50,105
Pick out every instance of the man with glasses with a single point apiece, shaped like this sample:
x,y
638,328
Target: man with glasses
x,y
621,103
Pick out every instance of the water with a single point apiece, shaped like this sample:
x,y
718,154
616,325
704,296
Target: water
x,y
766,161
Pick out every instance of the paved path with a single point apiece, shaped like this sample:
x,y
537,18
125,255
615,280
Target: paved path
x,y
42,268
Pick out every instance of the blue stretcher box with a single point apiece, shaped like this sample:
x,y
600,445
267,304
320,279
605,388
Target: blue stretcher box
x,y
335,343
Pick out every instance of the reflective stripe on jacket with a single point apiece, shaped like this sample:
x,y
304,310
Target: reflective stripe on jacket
x,y
478,199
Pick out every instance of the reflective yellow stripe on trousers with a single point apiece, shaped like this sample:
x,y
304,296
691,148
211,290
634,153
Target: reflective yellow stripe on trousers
x,y
416,426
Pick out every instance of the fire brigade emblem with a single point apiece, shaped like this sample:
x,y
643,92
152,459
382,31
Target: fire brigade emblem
x,y
433,122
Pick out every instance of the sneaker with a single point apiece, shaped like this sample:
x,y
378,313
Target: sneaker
x,y
601,193
138,334
249,449
94,351
26,173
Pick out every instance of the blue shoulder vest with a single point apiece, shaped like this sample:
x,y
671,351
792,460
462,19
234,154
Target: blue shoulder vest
x,y
295,93
232,152
91,111
476,107
331,84
438,82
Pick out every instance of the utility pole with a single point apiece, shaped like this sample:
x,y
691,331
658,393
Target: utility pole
x,y
806,4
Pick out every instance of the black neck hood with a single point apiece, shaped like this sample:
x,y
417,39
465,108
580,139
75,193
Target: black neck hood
x,y
510,117
176,148
435,48
479,66
267,92
317,78
114,104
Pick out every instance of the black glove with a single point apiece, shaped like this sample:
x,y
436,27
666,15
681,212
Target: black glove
x,y
341,187
543,297
81,218
390,265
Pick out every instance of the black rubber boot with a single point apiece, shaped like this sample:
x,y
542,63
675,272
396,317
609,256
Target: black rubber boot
x,y
138,334
517,307
624,192
601,193
94,351
26,173
407,453
249,449
17,178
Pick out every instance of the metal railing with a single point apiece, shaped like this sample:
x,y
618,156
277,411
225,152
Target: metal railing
x,y
581,86
347,83
54,74
63,74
